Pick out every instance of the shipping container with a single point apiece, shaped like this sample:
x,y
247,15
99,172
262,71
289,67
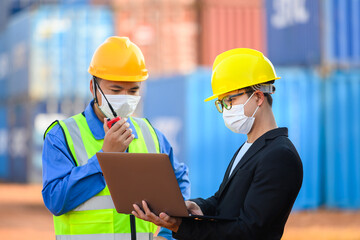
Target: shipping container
x,y
166,111
230,24
297,105
342,128
4,159
51,48
18,36
42,114
21,134
293,32
341,24
19,147
4,14
4,65
165,31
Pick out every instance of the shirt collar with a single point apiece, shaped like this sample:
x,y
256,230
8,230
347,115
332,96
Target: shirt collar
x,y
96,126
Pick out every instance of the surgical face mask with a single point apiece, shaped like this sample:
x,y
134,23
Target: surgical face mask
x,y
236,120
123,105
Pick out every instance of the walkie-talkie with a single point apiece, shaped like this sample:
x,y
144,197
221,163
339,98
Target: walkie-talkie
x,y
111,122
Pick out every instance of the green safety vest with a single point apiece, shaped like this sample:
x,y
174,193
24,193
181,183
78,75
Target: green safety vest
x,y
96,218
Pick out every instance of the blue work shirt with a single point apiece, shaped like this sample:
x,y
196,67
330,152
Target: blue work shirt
x,y
66,186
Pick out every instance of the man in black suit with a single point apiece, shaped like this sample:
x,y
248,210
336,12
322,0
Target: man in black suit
x,y
263,178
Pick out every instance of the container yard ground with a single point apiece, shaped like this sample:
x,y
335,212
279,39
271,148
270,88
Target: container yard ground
x,y
23,216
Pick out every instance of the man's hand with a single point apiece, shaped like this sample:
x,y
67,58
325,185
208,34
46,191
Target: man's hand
x,y
118,137
193,208
159,238
163,220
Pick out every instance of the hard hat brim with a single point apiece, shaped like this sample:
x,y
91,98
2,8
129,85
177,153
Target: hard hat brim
x,y
217,95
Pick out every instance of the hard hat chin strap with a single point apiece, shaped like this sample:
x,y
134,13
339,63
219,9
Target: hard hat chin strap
x,y
96,100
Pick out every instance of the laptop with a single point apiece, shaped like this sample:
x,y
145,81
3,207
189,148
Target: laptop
x,y
133,177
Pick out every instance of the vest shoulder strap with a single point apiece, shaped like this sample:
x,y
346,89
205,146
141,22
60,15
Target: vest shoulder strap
x,y
53,124
148,133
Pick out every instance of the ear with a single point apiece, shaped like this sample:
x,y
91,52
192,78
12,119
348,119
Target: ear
x,y
92,87
259,97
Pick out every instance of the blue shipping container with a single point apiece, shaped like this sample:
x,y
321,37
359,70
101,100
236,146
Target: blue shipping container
x,y
42,114
166,111
52,47
19,144
4,65
293,32
18,37
341,32
297,105
342,107
4,159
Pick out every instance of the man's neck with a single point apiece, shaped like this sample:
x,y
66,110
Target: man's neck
x,y
262,125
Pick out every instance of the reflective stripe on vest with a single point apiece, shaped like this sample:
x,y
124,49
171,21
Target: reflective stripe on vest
x,y
116,236
74,131
97,218
96,203
149,142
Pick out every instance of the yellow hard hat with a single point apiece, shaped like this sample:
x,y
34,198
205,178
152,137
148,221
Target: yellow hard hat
x,y
239,68
118,59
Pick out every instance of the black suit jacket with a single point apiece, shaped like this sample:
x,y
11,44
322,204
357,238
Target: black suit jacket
x,y
259,194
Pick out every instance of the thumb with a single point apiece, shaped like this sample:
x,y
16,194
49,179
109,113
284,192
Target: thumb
x,y
106,128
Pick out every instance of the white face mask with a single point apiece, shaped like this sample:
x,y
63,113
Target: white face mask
x,y
236,120
123,105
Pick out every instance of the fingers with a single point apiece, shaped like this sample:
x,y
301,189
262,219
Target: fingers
x,y
148,213
163,220
165,217
118,125
138,212
106,128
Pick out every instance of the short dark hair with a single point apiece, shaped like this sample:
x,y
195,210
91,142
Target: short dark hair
x,y
268,96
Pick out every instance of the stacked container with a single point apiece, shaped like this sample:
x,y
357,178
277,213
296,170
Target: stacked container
x,y
230,24
49,51
323,35
165,31
4,75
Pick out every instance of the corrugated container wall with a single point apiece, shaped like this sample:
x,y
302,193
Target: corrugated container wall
x,y
165,31
342,107
230,24
18,38
4,65
297,106
293,32
19,146
4,133
51,48
341,32
166,111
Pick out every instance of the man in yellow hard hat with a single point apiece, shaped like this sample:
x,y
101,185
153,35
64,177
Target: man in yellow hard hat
x,y
74,189
265,174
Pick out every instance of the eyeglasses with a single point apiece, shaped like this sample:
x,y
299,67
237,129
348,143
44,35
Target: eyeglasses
x,y
226,102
